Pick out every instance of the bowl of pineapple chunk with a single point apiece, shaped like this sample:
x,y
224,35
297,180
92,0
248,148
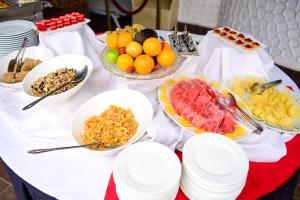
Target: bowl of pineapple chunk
x,y
276,108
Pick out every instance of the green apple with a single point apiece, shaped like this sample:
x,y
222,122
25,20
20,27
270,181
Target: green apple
x,y
112,56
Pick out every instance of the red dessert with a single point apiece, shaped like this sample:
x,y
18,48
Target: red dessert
x,y
256,44
239,42
241,35
226,29
195,101
223,34
231,38
233,32
248,40
40,26
248,46
52,28
60,25
216,31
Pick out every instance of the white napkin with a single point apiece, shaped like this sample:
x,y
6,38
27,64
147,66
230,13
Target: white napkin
x,y
220,62
77,39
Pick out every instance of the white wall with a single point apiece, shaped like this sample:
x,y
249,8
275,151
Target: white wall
x,y
199,12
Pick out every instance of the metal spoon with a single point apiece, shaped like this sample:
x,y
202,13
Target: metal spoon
x,y
36,151
232,102
222,102
13,62
78,78
260,88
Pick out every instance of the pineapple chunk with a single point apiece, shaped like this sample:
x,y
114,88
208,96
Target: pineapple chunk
x,y
286,123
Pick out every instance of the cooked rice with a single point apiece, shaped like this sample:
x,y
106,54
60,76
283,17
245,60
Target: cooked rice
x,y
52,81
114,127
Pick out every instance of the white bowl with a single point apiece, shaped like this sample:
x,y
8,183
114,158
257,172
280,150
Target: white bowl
x,y
76,62
125,98
40,53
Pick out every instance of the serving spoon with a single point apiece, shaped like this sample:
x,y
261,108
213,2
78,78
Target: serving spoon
x,y
80,75
36,151
232,102
260,88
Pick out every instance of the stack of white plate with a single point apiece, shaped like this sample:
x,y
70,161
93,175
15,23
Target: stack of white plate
x,y
12,34
214,167
147,171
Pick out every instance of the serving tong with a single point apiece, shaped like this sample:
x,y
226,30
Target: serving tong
x,y
229,103
12,63
260,88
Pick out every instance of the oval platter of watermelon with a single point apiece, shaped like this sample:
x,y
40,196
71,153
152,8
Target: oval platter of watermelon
x,y
190,101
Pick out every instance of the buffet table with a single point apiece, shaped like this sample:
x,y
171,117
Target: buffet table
x,y
74,174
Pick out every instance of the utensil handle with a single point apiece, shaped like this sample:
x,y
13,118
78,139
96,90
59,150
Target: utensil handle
x,y
272,83
36,151
46,95
257,126
22,46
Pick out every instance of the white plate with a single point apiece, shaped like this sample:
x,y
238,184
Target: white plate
x,y
147,168
15,27
215,159
74,61
40,53
124,194
198,191
125,98
14,47
164,93
212,188
28,34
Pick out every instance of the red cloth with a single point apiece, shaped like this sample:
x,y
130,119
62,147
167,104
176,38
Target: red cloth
x,y
262,179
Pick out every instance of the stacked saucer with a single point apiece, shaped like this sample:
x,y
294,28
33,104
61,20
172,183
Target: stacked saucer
x,y
147,171
12,34
214,167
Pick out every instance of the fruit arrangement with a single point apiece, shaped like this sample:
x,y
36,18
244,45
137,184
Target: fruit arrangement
x,y
136,49
236,39
275,107
60,22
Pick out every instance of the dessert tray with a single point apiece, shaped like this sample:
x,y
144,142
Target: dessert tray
x,y
237,39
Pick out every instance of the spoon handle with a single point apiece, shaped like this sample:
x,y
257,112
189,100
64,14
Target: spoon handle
x,y
272,83
36,151
46,95
248,118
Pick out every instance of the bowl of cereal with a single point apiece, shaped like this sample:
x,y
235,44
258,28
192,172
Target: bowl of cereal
x,y
112,119
51,74
33,56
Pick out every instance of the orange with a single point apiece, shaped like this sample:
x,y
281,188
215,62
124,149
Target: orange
x,y
143,64
165,45
152,46
134,49
124,38
166,58
124,62
112,40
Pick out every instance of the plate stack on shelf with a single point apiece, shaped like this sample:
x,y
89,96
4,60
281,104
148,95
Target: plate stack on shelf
x,y
147,171
12,34
214,167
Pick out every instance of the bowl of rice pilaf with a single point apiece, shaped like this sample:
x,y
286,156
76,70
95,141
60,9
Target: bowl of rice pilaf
x,y
112,120
51,74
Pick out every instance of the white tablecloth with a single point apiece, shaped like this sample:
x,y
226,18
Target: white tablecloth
x,y
71,174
